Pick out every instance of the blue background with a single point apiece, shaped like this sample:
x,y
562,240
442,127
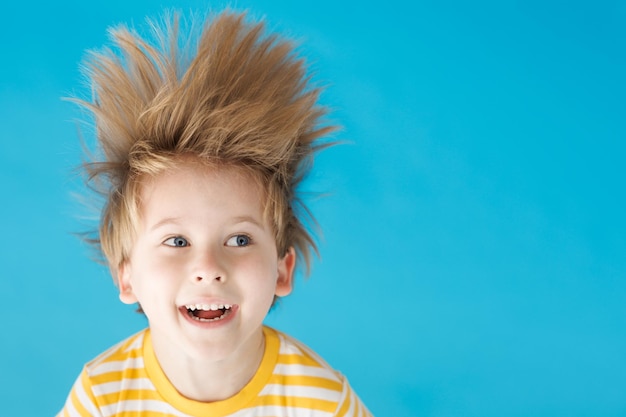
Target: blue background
x,y
474,235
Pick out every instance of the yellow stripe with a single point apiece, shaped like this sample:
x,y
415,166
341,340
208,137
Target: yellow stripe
x,y
76,401
117,351
144,414
331,382
345,406
116,376
294,359
121,354
128,394
108,377
300,402
363,409
308,381
358,409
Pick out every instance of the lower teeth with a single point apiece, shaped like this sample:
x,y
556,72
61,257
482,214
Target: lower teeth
x,y
215,319
209,320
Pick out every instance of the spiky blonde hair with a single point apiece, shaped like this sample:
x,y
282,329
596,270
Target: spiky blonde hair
x,y
242,98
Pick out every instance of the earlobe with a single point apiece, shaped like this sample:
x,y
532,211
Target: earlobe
x,y
286,267
127,296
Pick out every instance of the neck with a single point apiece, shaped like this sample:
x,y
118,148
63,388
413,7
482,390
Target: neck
x,y
208,380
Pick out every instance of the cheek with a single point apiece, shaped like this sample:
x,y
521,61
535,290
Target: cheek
x,y
164,263
154,272
258,265
260,278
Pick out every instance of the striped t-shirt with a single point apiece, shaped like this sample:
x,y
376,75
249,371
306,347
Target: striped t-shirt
x,y
292,380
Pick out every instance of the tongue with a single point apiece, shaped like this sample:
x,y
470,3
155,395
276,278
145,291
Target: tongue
x,y
203,314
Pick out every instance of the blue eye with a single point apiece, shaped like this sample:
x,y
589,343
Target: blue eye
x,y
176,241
238,240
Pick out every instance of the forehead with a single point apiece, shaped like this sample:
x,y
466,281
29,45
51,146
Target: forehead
x,y
201,192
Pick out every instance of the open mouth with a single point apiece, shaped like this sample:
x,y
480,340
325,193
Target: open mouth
x,y
208,312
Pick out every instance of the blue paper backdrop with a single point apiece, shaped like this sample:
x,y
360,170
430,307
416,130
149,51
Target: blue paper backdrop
x,y
473,259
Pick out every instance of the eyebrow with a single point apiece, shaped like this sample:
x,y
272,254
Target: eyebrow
x,y
235,220
248,219
167,220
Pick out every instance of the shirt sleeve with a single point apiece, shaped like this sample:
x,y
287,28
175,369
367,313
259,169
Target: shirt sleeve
x,y
350,405
81,401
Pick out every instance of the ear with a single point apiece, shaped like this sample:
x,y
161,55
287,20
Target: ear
x,y
286,267
123,282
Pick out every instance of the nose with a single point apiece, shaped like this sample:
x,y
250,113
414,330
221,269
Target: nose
x,y
208,267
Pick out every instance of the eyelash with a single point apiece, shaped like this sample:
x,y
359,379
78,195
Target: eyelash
x,y
181,242
174,241
248,240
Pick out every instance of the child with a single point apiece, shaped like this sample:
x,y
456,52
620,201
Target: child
x,y
202,155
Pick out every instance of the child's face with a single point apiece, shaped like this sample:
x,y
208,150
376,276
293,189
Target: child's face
x,y
204,244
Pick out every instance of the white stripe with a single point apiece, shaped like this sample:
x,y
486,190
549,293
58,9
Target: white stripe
x,y
303,370
287,348
351,411
363,411
276,410
124,385
301,391
107,353
69,407
357,408
104,355
307,351
71,410
137,344
117,366
141,405
85,400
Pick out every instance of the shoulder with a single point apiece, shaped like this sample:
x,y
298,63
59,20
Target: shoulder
x,y
295,359
293,354
301,378
98,387
309,382
127,354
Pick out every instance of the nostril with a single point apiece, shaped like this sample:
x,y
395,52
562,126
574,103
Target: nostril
x,y
200,278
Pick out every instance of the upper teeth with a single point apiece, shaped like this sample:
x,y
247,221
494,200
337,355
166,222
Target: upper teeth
x,y
208,307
